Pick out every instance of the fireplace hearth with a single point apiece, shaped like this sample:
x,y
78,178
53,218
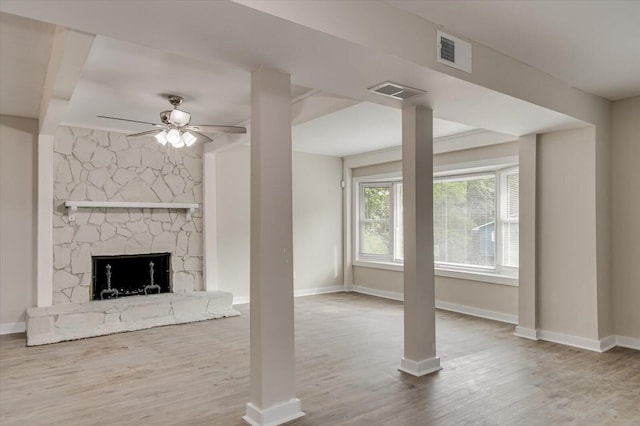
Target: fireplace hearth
x,y
114,277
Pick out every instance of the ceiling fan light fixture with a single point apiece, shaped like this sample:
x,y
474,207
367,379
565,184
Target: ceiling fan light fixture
x,y
179,118
162,138
173,137
188,138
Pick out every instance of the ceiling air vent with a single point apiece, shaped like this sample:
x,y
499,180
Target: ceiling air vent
x,y
454,52
395,90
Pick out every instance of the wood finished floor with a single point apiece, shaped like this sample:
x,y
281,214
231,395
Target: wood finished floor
x,y
348,350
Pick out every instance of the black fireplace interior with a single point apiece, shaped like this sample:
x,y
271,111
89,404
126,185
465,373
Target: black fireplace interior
x,y
130,275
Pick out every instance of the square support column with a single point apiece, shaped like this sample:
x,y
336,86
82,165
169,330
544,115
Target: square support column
x,y
273,393
528,321
419,284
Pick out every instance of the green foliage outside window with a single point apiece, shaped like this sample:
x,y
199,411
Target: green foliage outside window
x,y
464,221
375,233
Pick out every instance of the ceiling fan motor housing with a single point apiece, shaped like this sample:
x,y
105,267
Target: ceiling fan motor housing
x,y
175,117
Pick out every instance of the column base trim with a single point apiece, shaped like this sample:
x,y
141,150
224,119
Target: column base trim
x,y
420,368
527,333
275,415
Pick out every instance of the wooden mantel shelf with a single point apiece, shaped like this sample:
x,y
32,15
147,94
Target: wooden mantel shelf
x,y
73,206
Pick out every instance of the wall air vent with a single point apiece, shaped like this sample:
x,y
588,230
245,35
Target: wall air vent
x,y
454,52
395,90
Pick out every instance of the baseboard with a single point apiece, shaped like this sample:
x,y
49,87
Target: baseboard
x,y
575,341
607,343
12,327
602,345
275,415
241,300
297,293
628,342
420,368
477,312
527,333
447,306
320,290
379,293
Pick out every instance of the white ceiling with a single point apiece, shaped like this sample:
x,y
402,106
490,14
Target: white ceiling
x,y
210,65
592,45
360,128
127,80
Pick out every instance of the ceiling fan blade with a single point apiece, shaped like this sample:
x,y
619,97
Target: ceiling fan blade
x,y
132,121
214,128
147,133
200,136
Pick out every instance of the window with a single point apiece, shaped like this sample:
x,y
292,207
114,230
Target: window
x,y
475,222
464,213
380,223
509,215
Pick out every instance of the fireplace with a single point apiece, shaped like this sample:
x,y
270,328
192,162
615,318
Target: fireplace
x,y
120,276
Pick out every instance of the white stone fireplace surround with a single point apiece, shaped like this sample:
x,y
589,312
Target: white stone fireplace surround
x,y
96,166
92,166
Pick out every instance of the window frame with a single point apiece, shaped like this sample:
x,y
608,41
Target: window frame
x,y
467,267
362,221
364,259
502,218
499,274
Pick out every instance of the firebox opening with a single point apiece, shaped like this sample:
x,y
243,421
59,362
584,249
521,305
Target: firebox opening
x,y
130,275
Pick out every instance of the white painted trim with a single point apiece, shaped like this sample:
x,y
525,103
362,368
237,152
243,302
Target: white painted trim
x,y
607,343
527,333
241,300
575,341
477,276
602,345
318,290
275,415
446,306
448,273
44,220
476,166
468,140
420,368
73,206
347,224
378,293
12,327
210,220
477,312
373,157
628,342
398,267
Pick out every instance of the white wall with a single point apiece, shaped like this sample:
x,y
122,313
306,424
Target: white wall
x,y
499,298
626,217
18,142
317,221
317,224
567,269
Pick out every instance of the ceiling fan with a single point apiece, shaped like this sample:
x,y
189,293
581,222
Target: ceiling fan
x,y
175,127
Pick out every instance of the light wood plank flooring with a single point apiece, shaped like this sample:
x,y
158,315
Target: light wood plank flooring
x,y
348,349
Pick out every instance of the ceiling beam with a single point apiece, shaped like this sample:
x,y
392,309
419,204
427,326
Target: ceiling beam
x,y
69,54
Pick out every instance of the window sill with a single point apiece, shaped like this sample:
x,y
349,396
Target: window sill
x,y
478,276
448,273
389,266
